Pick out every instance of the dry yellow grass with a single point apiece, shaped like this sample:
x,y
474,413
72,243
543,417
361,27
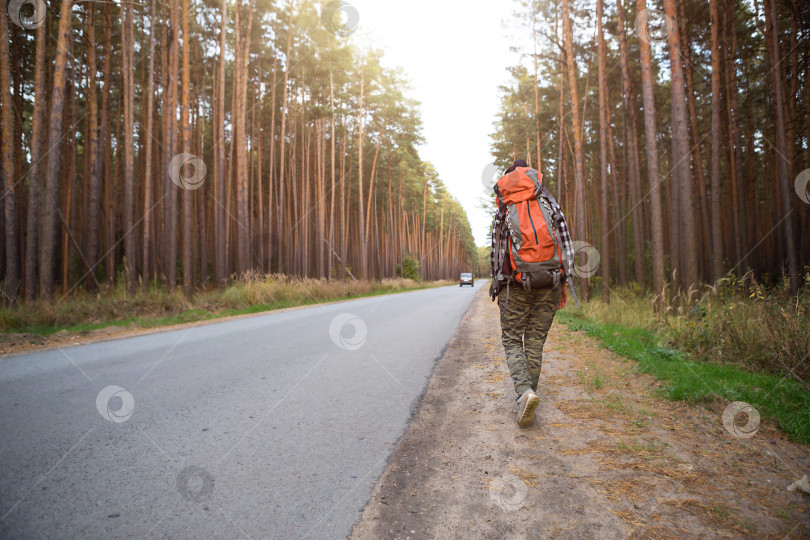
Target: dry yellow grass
x,y
737,320
250,291
530,479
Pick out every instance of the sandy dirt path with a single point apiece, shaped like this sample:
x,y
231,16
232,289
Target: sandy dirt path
x,y
606,458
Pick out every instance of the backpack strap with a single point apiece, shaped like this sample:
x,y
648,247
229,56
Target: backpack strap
x,y
500,245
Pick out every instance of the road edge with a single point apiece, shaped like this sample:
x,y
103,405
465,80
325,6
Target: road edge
x,y
415,406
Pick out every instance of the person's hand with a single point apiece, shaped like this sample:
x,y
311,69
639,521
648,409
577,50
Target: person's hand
x,y
494,289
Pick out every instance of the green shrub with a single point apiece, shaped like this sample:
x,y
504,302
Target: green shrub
x,y
409,268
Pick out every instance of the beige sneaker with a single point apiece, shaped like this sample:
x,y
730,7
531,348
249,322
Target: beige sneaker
x,y
527,403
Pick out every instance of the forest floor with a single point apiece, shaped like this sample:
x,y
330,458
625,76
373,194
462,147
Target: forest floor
x,y
607,457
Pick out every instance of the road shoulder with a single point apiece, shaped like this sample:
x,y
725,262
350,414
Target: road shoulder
x,y
606,458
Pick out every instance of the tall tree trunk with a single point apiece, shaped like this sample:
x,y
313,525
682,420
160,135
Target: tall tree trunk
x,y
271,183
128,71
362,227
282,146
682,156
733,142
220,272
772,21
717,236
169,150
47,258
618,198
656,214
696,148
242,209
332,172
69,244
735,158
422,248
147,175
260,185
371,183
185,147
603,156
634,170
232,174
389,249
804,219
105,164
34,179
672,197
579,158
201,197
791,89
344,204
319,243
753,209
12,275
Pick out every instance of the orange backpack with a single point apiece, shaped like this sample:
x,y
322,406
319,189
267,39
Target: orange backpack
x,y
534,248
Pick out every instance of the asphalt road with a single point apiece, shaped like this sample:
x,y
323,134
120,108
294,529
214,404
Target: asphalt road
x,y
273,426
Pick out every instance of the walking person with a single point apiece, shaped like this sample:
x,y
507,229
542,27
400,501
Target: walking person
x,y
532,254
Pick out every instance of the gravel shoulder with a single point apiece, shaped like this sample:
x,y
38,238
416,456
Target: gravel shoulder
x,y
607,457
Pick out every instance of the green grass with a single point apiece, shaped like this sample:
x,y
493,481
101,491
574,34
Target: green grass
x,y
775,397
734,321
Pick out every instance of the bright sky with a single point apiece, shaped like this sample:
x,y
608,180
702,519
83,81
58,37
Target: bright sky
x,y
455,53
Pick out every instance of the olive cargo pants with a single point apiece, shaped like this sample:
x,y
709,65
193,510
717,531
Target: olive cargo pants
x,y
525,320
